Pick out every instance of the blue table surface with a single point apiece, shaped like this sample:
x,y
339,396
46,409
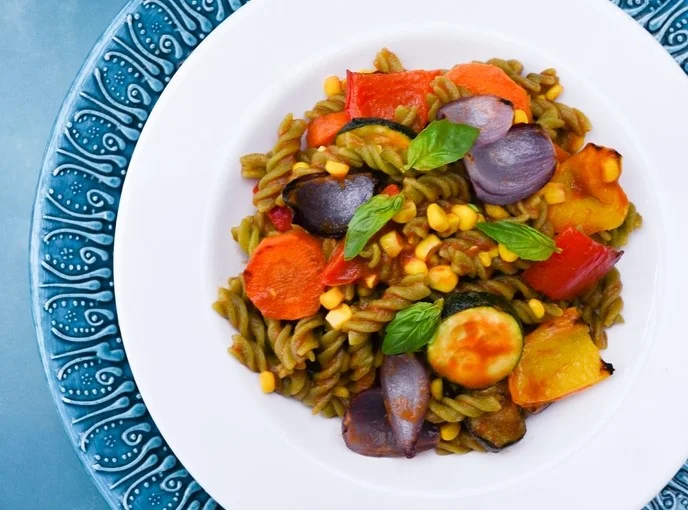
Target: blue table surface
x,y
42,46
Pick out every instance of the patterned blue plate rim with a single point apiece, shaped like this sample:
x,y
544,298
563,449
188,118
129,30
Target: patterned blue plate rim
x,y
72,236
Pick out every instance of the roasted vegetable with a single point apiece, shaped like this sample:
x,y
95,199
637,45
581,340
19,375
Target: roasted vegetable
x,y
378,131
379,94
281,217
594,199
324,205
283,277
460,301
492,115
339,271
498,430
406,390
324,129
579,264
559,358
366,430
476,348
482,78
513,167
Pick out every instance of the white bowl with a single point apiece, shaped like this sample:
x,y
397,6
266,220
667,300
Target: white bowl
x,y
613,446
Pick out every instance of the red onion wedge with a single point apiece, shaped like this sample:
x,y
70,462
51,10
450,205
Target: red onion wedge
x,y
366,430
491,114
514,167
406,388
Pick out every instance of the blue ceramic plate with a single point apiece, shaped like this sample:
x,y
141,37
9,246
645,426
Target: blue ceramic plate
x,y
72,244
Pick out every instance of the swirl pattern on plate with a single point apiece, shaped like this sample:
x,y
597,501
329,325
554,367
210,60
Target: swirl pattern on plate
x,y
73,233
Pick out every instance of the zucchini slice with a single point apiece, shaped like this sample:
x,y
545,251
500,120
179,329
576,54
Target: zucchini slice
x,y
477,347
501,429
377,131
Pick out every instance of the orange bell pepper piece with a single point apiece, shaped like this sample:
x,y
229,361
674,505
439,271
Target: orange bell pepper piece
x,y
324,129
595,200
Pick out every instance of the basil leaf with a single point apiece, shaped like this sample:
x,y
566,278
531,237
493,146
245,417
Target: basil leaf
x,y
440,143
412,328
367,220
524,241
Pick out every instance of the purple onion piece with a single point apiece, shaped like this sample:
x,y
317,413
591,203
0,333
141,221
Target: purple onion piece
x,y
514,167
406,389
491,114
324,205
366,430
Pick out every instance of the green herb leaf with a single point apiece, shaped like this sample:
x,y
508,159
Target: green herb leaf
x,y
440,143
412,328
367,220
524,241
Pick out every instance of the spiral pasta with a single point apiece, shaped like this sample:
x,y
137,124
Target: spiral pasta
x,y
280,163
406,115
251,231
387,62
253,166
249,354
601,306
435,185
331,104
444,91
453,410
463,443
333,362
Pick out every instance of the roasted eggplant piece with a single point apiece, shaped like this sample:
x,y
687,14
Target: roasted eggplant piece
x,y
367,431
324,205
406,390
498,430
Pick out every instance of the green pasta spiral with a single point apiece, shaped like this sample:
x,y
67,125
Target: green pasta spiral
x,y
251,231
387,62
463,443
253,166
333,361
406,115
280,163
331,104
444,91
434,185
601,306
390,160
249,354
454,410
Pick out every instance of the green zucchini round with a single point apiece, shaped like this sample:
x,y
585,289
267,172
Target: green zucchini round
x,y
460,301
378,132
476,347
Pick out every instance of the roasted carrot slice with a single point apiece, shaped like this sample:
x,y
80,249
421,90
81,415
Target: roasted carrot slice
x,y
284,276
487,79
323,130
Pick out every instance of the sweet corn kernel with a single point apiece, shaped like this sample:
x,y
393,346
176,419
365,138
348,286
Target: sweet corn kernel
x,y
610,170
496,211
332,298
371,281
332,86
267,381
406,213
554,193
339,316
392,243
322,148
494,252
436,389
454,223
485,258
554,92
336,169
299,165
449,431
416,266
481,218
537,308
442,278
437,218
506,254
520,117
363,291
467,216
575,143
341,392
427,246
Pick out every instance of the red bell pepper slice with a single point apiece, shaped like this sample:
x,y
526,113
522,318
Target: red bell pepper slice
x,y
575,269
390,190
378,94
281,217
342,272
